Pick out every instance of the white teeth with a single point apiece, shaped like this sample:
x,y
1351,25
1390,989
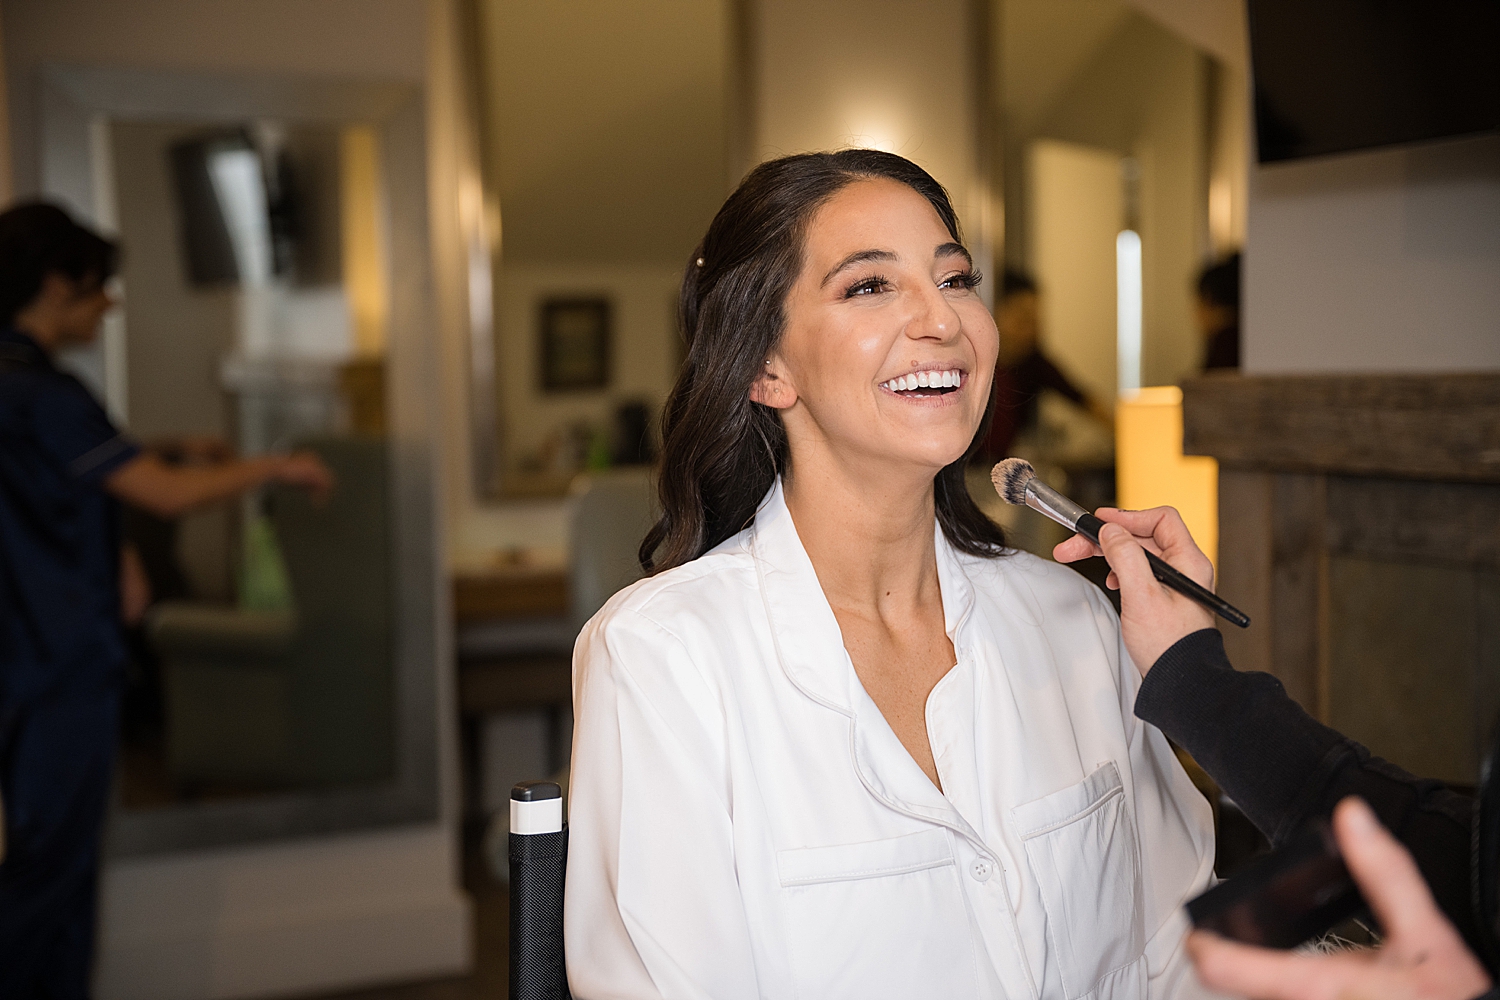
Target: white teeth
x,y
925,380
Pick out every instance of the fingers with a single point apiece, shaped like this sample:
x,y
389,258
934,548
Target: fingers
x,y
1126,558
1386,873
1243,970
1143,524
1074,549
1161,530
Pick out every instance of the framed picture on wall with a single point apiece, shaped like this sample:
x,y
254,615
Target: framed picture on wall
x,y
575,349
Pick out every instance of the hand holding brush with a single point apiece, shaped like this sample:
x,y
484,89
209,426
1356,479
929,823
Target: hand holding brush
x,y
1135,551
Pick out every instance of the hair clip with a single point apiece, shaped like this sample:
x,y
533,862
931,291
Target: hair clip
x,y
700,261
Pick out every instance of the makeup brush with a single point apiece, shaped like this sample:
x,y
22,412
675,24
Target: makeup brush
x,y
1017,483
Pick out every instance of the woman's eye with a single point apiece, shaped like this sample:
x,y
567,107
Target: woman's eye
x,y
867,287
963,281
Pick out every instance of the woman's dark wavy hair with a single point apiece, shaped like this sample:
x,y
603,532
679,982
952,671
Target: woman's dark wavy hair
x,y
720,451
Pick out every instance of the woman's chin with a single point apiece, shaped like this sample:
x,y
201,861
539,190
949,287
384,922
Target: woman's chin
x,y
919,461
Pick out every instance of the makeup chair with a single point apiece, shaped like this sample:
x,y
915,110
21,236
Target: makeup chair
x,y
611,513
538,865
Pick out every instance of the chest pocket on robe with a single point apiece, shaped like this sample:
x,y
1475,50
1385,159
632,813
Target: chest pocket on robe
x,y
883,918
1081,844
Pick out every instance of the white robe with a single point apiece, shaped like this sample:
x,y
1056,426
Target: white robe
x,y
744,823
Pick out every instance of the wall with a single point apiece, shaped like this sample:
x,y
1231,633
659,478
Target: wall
x,y
1142,94
605,139
355,38
643,311
605,148
1218,27
1077,209
322,913
898,75
178,336
1378,261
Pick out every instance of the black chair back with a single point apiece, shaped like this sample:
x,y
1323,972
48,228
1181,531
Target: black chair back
x,y
538,866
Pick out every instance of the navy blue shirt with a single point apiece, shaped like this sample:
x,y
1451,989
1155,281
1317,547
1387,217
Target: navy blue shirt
x,y
59,530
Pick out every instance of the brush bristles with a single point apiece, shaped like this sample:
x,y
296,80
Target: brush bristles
x,y
1010,478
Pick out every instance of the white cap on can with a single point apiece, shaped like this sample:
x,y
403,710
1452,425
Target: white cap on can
x,y
536,807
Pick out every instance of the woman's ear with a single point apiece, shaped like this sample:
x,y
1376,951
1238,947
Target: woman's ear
x,y
770,389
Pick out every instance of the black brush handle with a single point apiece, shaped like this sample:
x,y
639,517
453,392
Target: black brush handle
x,y
1089,527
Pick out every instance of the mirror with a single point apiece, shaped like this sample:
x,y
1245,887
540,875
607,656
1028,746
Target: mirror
x,y
606,146
282,680
254,322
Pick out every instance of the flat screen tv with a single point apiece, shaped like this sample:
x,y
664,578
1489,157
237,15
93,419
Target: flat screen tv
x,y
1337,75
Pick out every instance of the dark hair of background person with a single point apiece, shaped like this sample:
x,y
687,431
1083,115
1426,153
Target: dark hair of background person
x,y
1014,282
720,451
38,238
1219,283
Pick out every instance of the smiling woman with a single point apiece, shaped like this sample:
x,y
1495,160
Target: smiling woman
x,y
843,743
721,451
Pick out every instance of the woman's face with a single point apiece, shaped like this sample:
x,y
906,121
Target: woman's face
x,y
888,352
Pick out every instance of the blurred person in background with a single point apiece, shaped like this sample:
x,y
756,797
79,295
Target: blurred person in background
x,y
1217,309
64,470
1025,372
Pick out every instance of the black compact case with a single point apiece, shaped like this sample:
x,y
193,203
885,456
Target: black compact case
x,y
1292,895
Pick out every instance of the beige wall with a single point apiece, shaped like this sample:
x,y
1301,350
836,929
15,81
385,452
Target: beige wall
x,y
605,148
643,301
605,127
1228,157
1377,261
356,38
1141,92
1077,208
897,75
178,336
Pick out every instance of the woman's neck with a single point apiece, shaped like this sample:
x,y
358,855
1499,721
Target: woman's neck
x,y
869,536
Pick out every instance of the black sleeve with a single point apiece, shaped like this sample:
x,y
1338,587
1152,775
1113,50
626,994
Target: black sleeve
x,y
1284,768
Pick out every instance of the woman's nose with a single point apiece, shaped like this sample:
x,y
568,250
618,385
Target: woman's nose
x,y
935,318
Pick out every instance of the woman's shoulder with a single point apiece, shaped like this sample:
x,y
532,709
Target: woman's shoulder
x,y
1054,588
674,635
685,599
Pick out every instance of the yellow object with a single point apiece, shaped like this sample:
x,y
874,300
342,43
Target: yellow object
x,y
1152,471
363,237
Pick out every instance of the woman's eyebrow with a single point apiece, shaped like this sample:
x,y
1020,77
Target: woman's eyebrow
x,y
858,257
949,249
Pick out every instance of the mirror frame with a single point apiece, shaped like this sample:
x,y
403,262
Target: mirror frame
x,y
78,103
